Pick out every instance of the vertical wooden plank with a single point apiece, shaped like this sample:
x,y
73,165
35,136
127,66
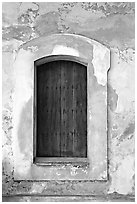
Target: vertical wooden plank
x,y
73,109
48,104
63,105
80,139
67,111
54,105
57,105
70,108
42,93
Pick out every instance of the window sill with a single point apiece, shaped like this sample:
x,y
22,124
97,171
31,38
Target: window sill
x,y
50,161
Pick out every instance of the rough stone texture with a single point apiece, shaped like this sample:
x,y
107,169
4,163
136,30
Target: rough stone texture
x,y
112,24
110,198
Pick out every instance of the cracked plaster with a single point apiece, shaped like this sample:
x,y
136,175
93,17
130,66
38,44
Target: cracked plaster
x,y
60,44
105,17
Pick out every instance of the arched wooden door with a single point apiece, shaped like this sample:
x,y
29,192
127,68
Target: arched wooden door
x,y
61,90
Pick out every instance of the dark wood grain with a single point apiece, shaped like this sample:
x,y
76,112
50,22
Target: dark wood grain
x,y
48,110
80,110
61,109
66,107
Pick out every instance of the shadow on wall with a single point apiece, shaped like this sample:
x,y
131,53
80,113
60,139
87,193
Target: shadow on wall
x,y
112,98
25,128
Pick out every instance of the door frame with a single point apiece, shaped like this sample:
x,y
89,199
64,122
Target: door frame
x,y
55,160
98,58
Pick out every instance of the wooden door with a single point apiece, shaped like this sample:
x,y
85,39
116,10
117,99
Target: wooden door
x,y
61,109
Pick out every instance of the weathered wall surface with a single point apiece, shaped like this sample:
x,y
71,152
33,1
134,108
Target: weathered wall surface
x,y
111,24
97,58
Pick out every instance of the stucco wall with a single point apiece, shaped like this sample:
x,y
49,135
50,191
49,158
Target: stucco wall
x,y
97,59
111,24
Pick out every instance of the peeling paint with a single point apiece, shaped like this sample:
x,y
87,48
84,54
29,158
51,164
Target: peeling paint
x,y
112,98
33,48
37,188
109,23
47,23
101,64
74,171
62,50
128,131
126,177
23,108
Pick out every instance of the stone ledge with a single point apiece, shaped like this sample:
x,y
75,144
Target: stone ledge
x,y
66,198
